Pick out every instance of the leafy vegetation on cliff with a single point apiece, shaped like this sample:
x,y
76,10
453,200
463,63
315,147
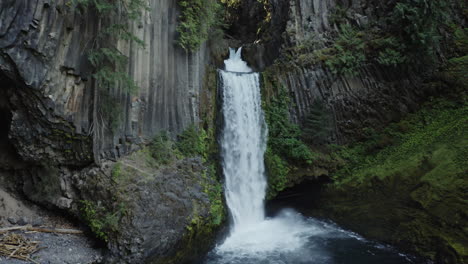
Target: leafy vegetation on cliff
x,y
197,21
109,62
410,179
409,33
285,147
101,221
193,142
406,143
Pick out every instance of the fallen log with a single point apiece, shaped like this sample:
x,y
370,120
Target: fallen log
x,y
40,230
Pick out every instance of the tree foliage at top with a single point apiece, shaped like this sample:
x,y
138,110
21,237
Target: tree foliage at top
x,y
198,19
415,23
109,62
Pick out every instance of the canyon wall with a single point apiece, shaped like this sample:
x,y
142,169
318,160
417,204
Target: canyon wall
x,y
52,130
44,47
373,97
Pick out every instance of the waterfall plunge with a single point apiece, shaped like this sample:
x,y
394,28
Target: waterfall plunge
x,y
243,143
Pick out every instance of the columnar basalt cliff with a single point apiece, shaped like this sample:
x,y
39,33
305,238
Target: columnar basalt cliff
x,y
49,123
44,47
373,96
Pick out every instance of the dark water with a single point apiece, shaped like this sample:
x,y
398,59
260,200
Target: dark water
x,y
320,242
292,238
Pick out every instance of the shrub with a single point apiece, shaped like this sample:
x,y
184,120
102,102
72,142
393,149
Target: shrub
x,y
416,22
283,135
193,142
162,148
277,171
198,19
101,221
348,52
285,149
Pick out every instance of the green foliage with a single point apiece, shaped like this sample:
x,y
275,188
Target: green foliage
x,y
347,54
193,142
101,221
456,70
410,34
338,15
416,177
109,63
283,135
405,144
116,171
198,19
213,188
285,149
390,52
277,170
190,143
106,58
416,22
162,149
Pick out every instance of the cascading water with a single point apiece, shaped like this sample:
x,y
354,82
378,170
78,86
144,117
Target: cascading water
x,y
288,237
243,143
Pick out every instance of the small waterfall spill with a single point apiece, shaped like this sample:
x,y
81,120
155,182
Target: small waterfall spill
x,y
288,238
243,143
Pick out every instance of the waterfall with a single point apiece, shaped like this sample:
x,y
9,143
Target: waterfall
x,y
243,143
288,237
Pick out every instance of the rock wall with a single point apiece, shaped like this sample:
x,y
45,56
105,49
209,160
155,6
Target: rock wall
x,y
43,51
374,97
49,123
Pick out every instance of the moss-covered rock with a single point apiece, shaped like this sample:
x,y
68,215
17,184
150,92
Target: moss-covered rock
x,y
412,192
146,210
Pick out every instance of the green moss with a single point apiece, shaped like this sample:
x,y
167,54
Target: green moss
x,y
116,171
101,221
409,191
441,123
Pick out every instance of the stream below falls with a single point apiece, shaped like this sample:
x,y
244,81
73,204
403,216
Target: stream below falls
x,y
287,237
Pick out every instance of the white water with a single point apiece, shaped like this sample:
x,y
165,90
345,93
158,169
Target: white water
x,y
288,238
243,145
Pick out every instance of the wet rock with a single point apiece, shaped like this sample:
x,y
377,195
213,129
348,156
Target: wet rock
x,y
64,203
12,220
22,221
37,221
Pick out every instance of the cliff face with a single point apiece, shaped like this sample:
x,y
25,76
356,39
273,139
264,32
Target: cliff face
x,y
373,97
49,124
392,187
44,47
